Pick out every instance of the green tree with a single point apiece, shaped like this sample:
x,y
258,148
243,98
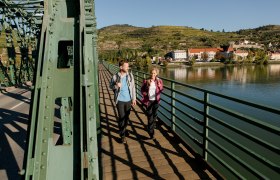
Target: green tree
x,y
175,45
165,63
218,55
192,60
148,61
261,57
204,56
141,63
250,57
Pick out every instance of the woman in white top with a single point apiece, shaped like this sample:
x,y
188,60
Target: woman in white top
x,y
150,90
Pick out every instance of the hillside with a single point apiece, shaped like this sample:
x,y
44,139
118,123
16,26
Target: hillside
x,y
264,34
165,38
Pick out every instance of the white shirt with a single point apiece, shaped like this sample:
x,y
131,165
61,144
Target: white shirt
x,y
152,91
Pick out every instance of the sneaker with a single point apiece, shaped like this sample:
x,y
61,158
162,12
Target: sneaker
x,y
123,140
152,136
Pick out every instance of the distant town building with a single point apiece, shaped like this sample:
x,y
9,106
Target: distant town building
x,y
275,56
246,44
241,53
179,55
153,59
198,53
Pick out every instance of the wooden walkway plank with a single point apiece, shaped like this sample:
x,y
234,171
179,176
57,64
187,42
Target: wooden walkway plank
x,y
141,157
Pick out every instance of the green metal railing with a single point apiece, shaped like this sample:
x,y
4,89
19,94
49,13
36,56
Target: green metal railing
x,y
239,139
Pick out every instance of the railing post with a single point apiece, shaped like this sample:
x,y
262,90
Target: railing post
x,y
137,81
173,105
205,125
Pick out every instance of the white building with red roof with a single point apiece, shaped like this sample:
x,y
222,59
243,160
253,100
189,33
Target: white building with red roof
x,y
198,52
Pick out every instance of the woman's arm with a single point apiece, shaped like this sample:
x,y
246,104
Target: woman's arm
x,y
143,88
160,85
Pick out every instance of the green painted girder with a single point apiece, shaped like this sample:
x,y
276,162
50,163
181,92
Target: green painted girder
x,y
65,95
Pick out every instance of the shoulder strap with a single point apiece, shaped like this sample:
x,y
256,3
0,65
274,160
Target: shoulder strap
x,y
130,76
118,78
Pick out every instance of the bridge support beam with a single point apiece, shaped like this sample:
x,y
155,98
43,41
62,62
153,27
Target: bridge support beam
x,y
62,141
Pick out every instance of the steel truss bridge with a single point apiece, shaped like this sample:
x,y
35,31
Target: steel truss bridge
x,y
56,41
50,48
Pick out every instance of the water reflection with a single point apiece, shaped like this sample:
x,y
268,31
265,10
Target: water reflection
x,y
259,84
241,74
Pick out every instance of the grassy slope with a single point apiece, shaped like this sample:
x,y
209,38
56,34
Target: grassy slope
x,y
165,38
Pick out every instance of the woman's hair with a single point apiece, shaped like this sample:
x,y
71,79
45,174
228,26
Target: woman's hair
x,y
154,69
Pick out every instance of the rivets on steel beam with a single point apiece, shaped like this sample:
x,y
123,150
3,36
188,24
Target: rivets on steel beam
x,y
49,77
43,153
91,119
44,140
91,139
90,106
47,107
45,129
46,117
42,167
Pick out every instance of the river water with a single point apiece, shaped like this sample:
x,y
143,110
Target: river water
x,y
259,84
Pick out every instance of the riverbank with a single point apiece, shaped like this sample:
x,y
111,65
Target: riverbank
x,y
199,64
209,64
202,64
274,62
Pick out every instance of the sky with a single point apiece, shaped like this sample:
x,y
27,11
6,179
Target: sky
x,y
216,15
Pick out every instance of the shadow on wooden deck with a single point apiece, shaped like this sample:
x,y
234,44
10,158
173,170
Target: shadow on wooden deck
x,y
166,157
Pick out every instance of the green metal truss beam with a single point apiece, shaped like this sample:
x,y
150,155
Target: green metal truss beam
x,y
65,95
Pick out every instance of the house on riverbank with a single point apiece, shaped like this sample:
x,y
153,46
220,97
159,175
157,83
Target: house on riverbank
x,y
179,55
275,56
207,54
241,53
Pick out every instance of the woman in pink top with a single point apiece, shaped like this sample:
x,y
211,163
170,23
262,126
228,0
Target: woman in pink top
x,y
150,90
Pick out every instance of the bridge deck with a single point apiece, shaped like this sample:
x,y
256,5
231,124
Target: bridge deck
x,y
141,158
